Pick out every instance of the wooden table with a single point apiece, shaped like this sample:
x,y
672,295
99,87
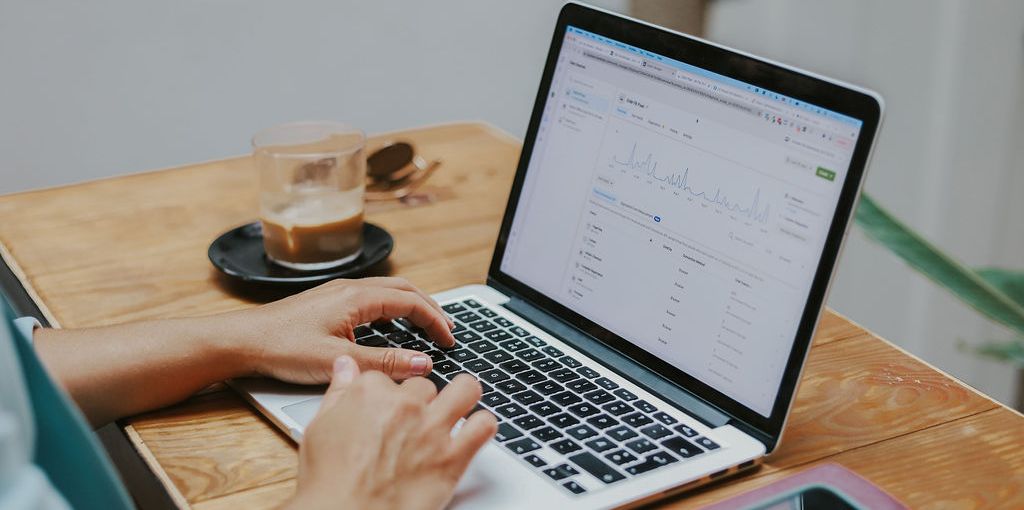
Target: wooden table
x,y
134,247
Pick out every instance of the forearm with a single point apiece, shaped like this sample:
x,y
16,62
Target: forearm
x,y
121,370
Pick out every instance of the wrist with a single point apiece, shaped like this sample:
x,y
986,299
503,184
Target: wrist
x,y
229,339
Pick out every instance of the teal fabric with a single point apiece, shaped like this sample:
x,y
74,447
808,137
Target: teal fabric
x,y
66,449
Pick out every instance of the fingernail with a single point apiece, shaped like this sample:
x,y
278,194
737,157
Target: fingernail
x,y
418,365
344,368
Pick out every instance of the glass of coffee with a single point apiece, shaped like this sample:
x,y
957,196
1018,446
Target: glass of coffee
x,y
312,181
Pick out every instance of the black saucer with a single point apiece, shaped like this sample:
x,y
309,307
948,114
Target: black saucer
x,y
238,253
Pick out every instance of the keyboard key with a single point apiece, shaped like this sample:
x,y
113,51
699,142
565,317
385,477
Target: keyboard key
x,y
503,322
574,487
472,303
599,397
535,460
487,312
553,352
624,394
536,342
565,446
510,387
498,356
482,326
531,377
518,331
418,345
581,432
640,445
484,387
618,408
462,355
514,366
583,410
600,444
445,366
587,372
621,433
467,316
563,375
548,387
510,410
459,328
656,431
506,432
606,383
565,398
466,336
636,420
514,345
664,418
645,406
527,397
684,430
602,421
451,308
560,472
496,376
545,408
399,337
482,346
595,466
570,362
373,340
498,335
453,375
477,365
523,445
529,355
681,447
385,327
437,356
707,443
581,386
547,434
621,457
494,399
563,420
528,422
439,381
361,331
651,462
546,365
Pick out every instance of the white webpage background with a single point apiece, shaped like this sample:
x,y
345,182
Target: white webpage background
x,y
687,227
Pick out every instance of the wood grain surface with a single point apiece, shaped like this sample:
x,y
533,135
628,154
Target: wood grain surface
x,y
134,247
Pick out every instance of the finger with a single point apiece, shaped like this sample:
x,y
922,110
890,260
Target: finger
x,y
395,363
478,429
403,284
421,388
345,370
378,302
456,400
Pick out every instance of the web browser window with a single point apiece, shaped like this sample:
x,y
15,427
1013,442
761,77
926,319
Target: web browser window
x,y
680,209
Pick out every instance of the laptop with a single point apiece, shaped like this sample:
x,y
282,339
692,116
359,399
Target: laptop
x,y
664,257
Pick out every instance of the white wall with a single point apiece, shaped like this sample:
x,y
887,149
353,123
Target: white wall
x,y
950,152
91,89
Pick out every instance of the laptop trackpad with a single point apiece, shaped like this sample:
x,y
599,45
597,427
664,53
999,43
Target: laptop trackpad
x,y
303,412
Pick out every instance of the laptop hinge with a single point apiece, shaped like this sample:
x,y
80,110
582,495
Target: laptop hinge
x,y
619,363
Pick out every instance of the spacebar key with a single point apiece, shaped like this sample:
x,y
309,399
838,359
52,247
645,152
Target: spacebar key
x,y
596,467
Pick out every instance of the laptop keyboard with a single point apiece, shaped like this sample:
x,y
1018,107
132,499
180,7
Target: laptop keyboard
x,y
556,414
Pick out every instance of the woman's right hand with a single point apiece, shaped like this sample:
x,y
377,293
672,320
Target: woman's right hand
x,y
378,444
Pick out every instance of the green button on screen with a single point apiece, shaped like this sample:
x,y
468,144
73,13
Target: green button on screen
x,y
825,173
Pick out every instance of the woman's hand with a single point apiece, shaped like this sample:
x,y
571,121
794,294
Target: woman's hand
x,y
298,338
377,444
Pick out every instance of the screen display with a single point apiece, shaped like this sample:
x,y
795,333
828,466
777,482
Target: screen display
x,y
682,210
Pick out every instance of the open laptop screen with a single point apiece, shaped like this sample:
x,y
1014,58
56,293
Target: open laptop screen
x,y
682,210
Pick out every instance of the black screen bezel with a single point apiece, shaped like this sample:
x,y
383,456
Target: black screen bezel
x,y
759,73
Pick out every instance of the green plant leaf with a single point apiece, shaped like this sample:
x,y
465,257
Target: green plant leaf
x,y
964,283
1009,282
1010,350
